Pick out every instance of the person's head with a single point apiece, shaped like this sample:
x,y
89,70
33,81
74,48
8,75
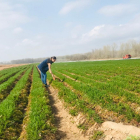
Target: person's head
x,y
53,58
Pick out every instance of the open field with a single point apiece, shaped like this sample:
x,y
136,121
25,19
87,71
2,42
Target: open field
x,y
102,91
88,100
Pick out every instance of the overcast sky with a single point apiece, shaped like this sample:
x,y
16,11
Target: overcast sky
x,y
41,28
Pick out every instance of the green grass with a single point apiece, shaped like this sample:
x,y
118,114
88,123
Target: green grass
x,y
131,137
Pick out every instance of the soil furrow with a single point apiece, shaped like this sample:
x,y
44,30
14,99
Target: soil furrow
x,y
67,129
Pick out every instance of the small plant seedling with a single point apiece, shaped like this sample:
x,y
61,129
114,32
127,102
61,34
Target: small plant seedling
x,y
131,137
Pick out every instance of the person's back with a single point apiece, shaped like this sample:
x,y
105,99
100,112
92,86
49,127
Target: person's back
x,y
43,66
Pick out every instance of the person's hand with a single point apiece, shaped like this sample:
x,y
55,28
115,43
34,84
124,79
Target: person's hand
x,y
53,78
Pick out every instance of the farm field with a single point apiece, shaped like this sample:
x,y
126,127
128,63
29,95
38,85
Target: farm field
x,y
97,91
102,91
24,102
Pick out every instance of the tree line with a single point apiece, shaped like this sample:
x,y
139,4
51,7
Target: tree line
x,y
106,52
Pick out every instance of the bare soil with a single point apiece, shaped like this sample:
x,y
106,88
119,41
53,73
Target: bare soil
x,y
118,131
10,66
67,128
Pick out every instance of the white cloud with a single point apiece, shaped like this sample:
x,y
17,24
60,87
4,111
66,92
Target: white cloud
x,y
28,42
73,5
113,33
95,31
9,16
117,10
18,30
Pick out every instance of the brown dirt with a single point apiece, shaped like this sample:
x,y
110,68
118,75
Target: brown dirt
x,y
2,67
118,131
67,128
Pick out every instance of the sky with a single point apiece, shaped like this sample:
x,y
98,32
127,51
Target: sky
x,y
44,28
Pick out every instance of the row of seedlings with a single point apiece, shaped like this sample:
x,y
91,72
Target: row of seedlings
x,y
39,117
118,94
75,103
12,109
11,73
110,87
7,86
5,71
102,98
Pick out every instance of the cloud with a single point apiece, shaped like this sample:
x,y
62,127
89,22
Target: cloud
x,y
10,16
18,30
113,33
95,31
68,7
117,10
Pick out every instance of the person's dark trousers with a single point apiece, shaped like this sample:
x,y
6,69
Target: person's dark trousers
x,y
43,78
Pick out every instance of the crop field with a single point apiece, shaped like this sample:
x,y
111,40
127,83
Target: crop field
x,y
24,102
100,90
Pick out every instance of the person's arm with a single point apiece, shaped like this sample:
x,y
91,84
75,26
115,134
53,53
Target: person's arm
x,y
49,65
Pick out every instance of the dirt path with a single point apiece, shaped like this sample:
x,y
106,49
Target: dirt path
x,y
67,129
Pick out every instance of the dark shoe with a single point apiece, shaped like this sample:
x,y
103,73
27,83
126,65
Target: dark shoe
x,y
47,86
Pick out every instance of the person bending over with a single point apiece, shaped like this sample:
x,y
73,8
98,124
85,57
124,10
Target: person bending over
x,y
44,67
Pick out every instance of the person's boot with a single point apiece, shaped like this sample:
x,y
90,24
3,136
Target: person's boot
x,y
47,85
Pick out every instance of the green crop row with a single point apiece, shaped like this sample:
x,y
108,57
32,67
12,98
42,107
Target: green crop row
x,y
71,98
8,106
126,82
105,70
101,97
5,71
109,87
10,74
9,84
113,91
40,124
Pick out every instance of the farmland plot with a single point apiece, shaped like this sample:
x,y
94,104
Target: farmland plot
x,y
24,91
103,91
98,91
